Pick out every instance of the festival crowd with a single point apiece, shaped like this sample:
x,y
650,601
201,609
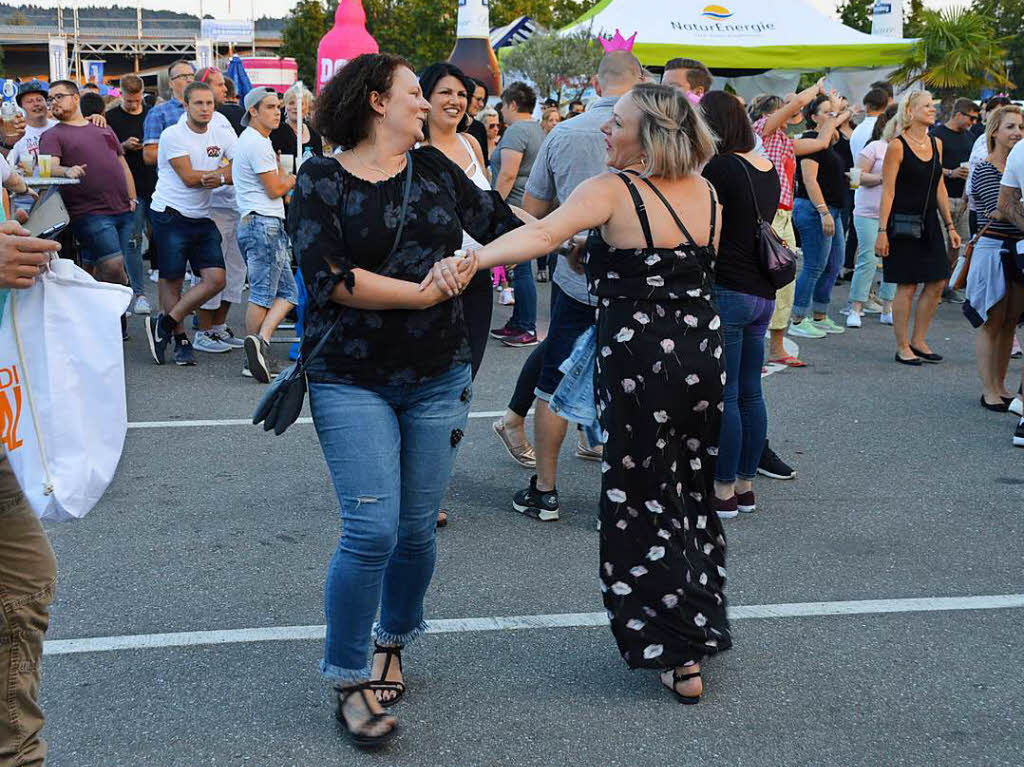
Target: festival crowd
x,y
382,219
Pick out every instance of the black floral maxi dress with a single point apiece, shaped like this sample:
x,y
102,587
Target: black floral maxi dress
x,y
658,383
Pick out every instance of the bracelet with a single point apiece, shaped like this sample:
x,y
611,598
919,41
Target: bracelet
x,y
883,230
948,224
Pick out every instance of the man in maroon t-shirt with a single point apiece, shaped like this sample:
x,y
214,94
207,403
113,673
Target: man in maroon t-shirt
x,y
101,205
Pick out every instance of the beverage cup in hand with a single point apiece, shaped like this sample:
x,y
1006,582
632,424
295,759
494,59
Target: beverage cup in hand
x,y
855,177
45,165
286,162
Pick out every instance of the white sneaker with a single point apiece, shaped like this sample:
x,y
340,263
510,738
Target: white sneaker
x,y
142,306
885,319
853,320
872,307
1017,407
209,342
154,275
229,338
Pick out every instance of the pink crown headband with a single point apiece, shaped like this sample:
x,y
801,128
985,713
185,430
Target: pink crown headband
x,y
618,43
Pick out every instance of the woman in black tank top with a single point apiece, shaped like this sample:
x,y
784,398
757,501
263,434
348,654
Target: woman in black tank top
x,y
909,236
658,380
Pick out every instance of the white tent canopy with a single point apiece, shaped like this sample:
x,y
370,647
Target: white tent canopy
x,y
745,34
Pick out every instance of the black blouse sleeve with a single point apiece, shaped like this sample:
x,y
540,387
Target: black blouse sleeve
x,y
315,227
482,212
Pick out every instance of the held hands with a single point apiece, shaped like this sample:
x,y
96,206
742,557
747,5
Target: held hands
x,y
451,275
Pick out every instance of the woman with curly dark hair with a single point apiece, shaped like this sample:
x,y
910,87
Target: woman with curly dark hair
x,y
390,387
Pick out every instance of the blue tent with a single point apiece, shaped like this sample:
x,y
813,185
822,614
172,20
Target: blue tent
x,y
237,73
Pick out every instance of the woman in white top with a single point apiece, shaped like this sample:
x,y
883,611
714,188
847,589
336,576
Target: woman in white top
x,y
865,221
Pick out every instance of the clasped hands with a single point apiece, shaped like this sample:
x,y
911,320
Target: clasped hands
x,y
451,275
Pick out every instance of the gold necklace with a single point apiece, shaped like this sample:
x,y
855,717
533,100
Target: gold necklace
x,y
918,142
379,170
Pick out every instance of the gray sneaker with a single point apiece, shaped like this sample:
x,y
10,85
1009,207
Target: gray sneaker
x,y
257,357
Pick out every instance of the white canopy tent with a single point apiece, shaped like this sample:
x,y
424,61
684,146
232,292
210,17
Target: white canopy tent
x,y
774,40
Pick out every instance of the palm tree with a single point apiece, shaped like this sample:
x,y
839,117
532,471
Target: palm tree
x,y
958,51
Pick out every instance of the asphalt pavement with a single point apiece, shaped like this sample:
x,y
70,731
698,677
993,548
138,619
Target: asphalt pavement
x,y
907,488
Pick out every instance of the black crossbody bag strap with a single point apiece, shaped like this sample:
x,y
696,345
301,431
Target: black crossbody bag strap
x,y
394,246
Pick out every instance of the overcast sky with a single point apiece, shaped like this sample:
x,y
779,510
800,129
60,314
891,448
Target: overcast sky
x,y
243,8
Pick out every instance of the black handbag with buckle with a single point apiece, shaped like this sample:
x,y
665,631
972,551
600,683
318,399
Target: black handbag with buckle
x,y
280,405
911,225
777,260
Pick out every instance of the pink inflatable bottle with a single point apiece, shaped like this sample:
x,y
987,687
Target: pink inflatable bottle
x,y
347,39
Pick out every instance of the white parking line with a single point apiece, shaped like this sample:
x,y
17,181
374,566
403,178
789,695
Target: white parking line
x,y
520,622
248,421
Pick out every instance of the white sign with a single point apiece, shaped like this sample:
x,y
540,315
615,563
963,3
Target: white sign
x,y
473,19
204,54
228,30
58,58
887,18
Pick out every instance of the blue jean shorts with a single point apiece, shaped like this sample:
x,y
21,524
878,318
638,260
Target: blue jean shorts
x,y
264,245
185,240
103,237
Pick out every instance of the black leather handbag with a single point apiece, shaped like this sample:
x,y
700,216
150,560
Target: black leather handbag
x,y
777,260
910,226
281,404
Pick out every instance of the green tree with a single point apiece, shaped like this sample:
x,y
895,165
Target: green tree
x,y
553,14
856,14
1006,16
959,53
423,31
301,35
555,63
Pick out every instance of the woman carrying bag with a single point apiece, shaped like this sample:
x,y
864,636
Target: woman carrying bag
x,y
909,238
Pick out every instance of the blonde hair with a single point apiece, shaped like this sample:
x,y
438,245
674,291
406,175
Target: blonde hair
x,y
995,120
904,114
674,135
307,97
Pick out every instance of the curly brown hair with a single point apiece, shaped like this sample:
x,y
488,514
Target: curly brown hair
x,y
343,112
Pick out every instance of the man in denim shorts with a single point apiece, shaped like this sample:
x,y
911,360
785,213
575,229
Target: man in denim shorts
x,y
191,165
260,186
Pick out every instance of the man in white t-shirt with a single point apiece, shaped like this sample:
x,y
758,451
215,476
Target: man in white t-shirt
x,y
875,102
260,186
192,163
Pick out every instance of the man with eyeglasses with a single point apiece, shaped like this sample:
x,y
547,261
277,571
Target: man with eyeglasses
x,y
163,116
956,154
102,204
474,127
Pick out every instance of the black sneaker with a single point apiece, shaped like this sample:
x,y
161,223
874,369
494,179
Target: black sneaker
x,y
158,337
257,355
183,353
533,503
773,466
1018,436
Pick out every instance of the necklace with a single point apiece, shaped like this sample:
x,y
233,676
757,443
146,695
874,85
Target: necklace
x,y
918,142
375,168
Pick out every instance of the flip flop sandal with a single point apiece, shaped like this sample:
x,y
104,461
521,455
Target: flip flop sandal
x,y
360,739
381,685
676,679
790,361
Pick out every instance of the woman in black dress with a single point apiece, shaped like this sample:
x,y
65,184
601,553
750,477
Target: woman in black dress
x,y
658,379
909,239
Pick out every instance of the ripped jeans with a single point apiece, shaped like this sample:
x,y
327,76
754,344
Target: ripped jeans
x,y
390,450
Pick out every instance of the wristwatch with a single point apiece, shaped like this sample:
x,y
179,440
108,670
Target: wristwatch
x,y
222,180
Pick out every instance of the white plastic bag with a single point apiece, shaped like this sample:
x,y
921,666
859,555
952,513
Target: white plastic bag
x,y
63,416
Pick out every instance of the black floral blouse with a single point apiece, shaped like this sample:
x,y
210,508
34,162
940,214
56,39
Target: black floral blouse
x,y
339,222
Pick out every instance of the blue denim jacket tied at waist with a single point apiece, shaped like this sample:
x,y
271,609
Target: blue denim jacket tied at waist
x,y
574,398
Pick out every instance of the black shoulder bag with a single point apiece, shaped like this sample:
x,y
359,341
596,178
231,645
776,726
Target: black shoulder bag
x,y
777,260
281,404
910,226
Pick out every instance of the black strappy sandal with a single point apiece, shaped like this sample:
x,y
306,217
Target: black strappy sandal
x,y
360,739
676,679
382,685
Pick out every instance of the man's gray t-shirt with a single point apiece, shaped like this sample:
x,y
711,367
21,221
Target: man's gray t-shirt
x,y
525,136
573,152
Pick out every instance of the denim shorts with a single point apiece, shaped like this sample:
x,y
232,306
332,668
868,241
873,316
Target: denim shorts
x,y
103,237
569,319
264,246
184,240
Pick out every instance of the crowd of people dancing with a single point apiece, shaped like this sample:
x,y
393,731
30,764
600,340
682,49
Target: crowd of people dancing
x,y
647,210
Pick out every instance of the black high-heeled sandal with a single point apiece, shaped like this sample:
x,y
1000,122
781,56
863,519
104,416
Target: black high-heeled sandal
x,y
382,684
361,739
676,679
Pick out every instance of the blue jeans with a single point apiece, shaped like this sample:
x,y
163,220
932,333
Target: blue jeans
x,y
103,237
867,263
264,246
822,258
133,258
745,420
390,451
524,313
